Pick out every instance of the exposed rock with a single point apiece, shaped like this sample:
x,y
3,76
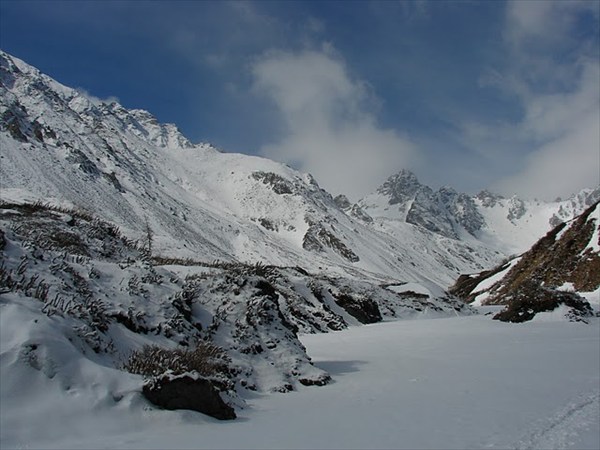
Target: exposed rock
x,y
317,238
531,298
443,212
342,202
364,310
555,220
357,212
279,184
320,381
489,199
516,210
112,179
400,187
463,209
560,258
428,212
14,120
185,392
465,286
268,224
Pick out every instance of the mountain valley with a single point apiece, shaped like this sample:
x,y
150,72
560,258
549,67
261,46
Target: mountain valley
x,y
118,235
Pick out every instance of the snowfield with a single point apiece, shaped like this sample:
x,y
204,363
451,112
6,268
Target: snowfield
x,y
459,382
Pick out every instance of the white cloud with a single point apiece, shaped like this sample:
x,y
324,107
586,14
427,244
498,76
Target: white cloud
x,y
543,22
559,95
331,129
552,116
562,166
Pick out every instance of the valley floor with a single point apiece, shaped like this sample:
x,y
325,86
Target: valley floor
x,y
463,382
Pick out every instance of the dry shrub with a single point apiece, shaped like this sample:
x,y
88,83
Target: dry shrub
x,y
151,360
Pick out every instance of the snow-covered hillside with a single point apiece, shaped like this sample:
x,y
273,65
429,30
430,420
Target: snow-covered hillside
x,y
57,146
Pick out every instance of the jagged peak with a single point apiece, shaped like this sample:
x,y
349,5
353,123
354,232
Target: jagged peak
x,y
403,174
400,186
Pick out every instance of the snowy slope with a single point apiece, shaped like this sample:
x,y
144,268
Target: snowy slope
x,y
58,146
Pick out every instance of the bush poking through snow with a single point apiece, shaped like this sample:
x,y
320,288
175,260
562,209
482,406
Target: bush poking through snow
x,y
206,359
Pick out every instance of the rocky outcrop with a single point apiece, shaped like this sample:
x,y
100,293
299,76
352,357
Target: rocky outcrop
x,y
364,310
566,258
353,210
276,182
532,298
317,238
401,187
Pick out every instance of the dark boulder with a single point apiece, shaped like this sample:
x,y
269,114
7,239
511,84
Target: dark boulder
x,y
365,310
185,392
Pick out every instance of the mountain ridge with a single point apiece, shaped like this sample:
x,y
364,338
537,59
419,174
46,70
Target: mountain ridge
x,y
125,166
60,146
452,214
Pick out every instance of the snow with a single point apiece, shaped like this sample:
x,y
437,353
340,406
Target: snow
x,y
516,236
467,382
592,297
558,314
567,287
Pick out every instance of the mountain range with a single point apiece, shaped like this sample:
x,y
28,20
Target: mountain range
x,y
61,147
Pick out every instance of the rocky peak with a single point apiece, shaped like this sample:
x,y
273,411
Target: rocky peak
x,y
400,187
443,211
342,202
162,135
488,199
516,210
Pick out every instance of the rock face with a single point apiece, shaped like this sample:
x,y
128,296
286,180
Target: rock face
x,y
582,200
444,211
318,238
562,263
185,392
401,187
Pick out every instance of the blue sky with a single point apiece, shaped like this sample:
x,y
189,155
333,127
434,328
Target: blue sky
x,y
474,94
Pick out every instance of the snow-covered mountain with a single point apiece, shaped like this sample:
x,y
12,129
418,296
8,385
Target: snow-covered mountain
x,y
510,225
59,146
